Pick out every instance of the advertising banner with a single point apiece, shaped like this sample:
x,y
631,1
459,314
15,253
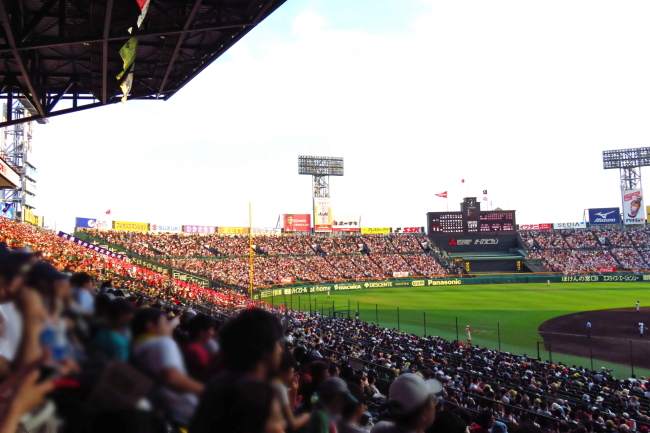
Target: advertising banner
x,y
30,187
9,213
130,226
269,231
322,215
346,223
90,246
400,274
604,215
408,230
375,230
562,226
93,223
633,206
232,230
200,229
535,226
189,278
158,228
28,216
30,200
296,222
9,174
606,269
286,280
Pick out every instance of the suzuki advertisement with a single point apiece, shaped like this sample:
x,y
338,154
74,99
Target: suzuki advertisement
x,y
633,207
605,215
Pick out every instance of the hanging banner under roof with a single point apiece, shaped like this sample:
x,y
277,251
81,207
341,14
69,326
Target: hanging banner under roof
x,y
127,53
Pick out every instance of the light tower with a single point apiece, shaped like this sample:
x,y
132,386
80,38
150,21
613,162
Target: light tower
x,y
629,163
321,168
15,148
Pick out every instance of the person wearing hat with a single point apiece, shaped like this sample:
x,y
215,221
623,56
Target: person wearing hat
x,y
412,405
112,341
332,398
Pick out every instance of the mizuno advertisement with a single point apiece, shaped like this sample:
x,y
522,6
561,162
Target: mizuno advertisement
x,y
633,207
605,215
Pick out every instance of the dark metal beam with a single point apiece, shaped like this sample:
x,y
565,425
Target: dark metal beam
x,y
62,19
179,42
107,25
52,114
4,17
66,42
58,97
29,28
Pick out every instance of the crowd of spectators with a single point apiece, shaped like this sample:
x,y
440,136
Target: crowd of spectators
x,y
287,257
77,356
483,389
587,250
70,257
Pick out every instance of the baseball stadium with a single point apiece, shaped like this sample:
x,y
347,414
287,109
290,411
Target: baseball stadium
x,y
161,315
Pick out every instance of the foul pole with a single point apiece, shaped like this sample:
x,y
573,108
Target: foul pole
x,y
250,249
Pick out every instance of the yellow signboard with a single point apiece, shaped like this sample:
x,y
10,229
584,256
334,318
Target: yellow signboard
x,y
375,230
130,226
232,230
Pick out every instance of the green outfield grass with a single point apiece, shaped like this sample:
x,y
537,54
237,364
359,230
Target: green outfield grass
x,y
509,314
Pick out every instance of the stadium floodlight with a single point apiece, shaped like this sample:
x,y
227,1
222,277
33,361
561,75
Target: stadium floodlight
x,y
321,168
626,158
628,161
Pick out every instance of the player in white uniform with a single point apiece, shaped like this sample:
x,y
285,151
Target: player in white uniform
x,y
328,293
548,282
469,334
641,326
638,306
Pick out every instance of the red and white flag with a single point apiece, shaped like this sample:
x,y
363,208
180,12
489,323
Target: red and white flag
x,y
442,194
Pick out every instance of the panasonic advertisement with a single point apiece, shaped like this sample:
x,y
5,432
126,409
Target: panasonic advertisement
x,y
602,216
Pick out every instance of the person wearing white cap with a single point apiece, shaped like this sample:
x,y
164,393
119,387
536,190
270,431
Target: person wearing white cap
x,y
412,405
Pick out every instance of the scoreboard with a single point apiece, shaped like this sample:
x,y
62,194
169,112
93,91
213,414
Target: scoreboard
x,y
471,220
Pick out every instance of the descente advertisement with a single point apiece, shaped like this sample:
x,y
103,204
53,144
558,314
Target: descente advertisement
x,y
324,288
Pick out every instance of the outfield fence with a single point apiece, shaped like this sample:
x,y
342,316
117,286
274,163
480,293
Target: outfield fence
x,y
574,347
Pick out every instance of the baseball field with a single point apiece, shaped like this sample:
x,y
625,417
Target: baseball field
x,y
517,318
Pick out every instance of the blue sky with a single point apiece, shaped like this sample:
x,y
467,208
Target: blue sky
x,y
518,97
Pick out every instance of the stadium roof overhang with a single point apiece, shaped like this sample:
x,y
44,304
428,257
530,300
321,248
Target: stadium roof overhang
x,y
69,50
8,176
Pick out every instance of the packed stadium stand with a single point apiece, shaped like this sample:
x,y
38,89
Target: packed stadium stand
x,y
224,258
589,250
180,369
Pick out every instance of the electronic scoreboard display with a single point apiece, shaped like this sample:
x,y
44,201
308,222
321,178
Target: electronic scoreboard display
x,y
471,219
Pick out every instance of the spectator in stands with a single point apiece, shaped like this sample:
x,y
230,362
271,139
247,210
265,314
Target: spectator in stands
x,y
412,406
197,357
240,406
484,422
333,396
112,339
353,412
82,285
157,354
250,344
286,385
